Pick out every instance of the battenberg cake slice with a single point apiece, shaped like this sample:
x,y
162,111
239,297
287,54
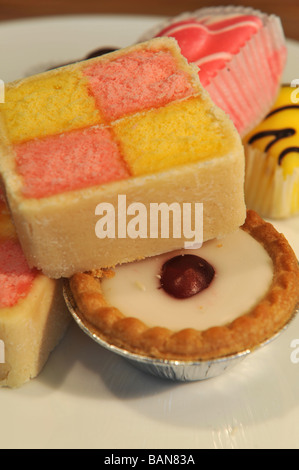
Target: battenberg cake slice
x,y
33,316
135,124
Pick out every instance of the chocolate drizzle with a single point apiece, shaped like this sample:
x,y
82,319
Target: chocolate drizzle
x,y
285,152
186,275
278,134
282,108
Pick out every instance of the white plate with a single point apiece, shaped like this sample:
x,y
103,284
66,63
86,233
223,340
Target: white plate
x,y
87,397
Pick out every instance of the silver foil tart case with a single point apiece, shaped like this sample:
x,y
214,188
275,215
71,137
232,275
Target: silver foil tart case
x,y
180,371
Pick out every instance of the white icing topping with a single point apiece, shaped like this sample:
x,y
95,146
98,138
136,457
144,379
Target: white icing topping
x,y
217,56
243,274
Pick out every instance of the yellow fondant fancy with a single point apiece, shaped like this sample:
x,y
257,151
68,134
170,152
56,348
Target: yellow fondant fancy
x,y
279,132
276,166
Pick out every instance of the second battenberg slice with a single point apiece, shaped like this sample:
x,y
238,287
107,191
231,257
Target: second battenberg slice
x,y
86,151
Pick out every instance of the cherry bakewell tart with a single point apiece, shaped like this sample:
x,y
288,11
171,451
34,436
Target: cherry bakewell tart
x,y
230,295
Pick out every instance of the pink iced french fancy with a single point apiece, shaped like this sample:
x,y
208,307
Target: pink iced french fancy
x,y
210,46
240,53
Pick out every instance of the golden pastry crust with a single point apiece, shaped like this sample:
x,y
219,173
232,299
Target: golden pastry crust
x,y
248,331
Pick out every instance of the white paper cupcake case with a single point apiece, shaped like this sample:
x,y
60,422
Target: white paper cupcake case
x,y
266,189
